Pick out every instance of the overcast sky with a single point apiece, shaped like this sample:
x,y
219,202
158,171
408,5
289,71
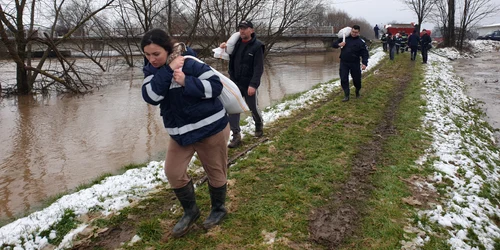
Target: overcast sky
x,y
385,11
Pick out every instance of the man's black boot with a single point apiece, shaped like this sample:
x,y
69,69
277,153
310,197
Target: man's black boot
x,y
219,211
187,199
235,142
259,130
346,98
357,93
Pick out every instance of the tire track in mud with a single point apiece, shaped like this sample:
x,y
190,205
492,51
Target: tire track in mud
x,y
332,224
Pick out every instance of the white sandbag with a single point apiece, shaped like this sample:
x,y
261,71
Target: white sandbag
x,y
221,53
230,97
344,32
231,42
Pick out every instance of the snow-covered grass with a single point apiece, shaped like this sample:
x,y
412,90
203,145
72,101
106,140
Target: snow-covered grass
x,y
464,159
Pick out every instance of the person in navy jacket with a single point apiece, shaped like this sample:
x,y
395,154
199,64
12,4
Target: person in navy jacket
x,y
425,43
196,121
351,51
391,41
413,42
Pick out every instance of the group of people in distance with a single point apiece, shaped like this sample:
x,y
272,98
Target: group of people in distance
x,y
416,41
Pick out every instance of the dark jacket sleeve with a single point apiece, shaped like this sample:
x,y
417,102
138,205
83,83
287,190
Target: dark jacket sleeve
x,y
336,43
425,40
155,86
258,67
364,54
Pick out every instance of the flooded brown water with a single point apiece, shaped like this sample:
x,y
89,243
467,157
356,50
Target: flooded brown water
x,y
482,76
51,145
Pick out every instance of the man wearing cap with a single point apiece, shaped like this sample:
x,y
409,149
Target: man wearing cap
x,y
352,49
246,65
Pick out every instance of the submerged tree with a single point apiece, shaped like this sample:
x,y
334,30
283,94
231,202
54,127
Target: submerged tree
x,y
19,32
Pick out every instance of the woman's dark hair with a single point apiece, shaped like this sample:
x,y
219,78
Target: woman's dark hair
x,y
158,37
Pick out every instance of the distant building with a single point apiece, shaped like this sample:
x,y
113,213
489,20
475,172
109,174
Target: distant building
x,y
487,29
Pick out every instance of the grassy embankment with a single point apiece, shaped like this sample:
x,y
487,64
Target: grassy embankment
x,y
307,158
309,155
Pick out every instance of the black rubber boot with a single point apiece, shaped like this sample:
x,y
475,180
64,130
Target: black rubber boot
x,y
357,93
346,98
218,199
191,212
259,130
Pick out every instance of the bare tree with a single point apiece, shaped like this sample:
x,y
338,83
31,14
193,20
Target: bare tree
x,y
366,27
210,21
470,13
121,32
440,18
285,14
339,19
19,18
218,19
146,12
422,9
473,11
450,37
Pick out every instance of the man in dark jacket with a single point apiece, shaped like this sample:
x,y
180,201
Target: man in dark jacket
x,y
352,49
384,42
425,43
413,42
391,41
246,66
376,29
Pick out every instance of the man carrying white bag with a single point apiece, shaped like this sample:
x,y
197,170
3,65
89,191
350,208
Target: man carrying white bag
x,y
223,53
246,66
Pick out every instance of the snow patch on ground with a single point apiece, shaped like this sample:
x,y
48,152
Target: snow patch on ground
x,y
463,158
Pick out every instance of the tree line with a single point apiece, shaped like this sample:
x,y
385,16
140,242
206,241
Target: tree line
x,y
51,22
454,19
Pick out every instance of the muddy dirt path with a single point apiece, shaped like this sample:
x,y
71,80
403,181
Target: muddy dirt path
x,y
332,224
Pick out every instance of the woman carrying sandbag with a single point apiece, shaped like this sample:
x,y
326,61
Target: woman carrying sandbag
x,y
195,119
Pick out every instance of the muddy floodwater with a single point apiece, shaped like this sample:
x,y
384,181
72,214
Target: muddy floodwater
x,y
482,76
52,144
